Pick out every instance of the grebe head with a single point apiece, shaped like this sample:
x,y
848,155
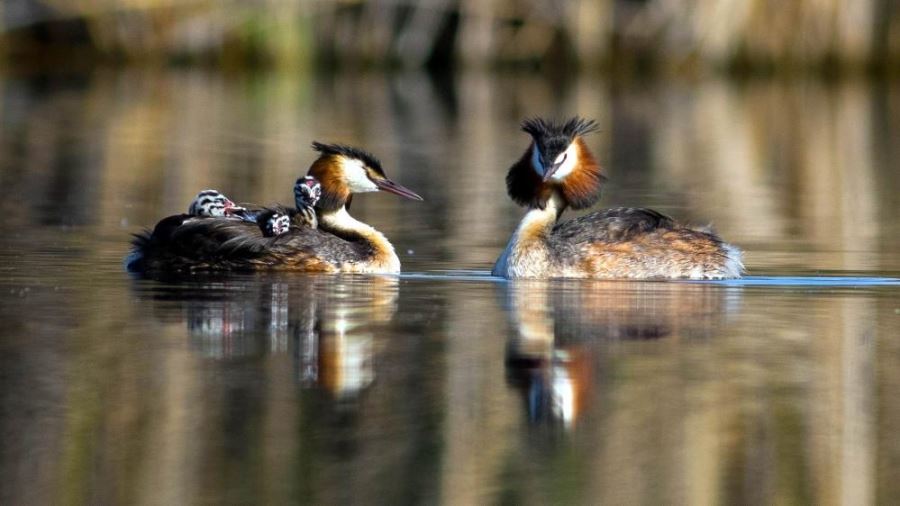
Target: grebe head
x,y
554,153
307,192
557,159
344,170
276,224
211,203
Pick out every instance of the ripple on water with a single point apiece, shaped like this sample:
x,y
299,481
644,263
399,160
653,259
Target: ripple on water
x,y
769,281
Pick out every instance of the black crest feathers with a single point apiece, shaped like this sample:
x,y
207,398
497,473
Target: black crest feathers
x,y
540,128
349,152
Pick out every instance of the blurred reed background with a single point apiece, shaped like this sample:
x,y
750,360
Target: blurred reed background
x,y
760,36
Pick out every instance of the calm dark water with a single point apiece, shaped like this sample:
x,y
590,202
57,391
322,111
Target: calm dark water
x,y
443,384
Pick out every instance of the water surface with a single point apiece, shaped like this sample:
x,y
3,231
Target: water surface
x,y
444,384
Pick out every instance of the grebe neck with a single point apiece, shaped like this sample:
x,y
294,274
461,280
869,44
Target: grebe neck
x,y
528,254
381,256
546,216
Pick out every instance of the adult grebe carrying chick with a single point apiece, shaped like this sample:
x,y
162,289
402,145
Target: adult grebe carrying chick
x,y
558,171
332,241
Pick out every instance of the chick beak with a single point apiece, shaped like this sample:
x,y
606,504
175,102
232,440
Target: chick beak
x,y
392,187
231,209
550,171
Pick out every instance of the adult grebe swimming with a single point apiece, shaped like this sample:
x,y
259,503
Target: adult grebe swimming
x,y
340,243
558,171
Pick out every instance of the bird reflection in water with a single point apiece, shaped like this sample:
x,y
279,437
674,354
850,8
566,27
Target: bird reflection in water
x,y
564,330
327,323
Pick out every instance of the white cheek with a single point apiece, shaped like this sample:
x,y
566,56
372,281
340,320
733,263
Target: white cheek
x,y
356,176
536,161
571,160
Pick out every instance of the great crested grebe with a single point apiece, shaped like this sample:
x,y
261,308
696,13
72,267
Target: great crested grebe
x,y
558,171
339,244
276,221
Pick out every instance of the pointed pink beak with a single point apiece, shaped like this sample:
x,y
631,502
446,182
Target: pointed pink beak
x,y
392,187
552,170
231,209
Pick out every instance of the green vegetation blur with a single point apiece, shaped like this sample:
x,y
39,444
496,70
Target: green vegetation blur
x,y
757,36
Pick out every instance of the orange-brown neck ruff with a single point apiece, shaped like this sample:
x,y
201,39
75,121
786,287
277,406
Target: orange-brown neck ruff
x,y
335,191
580,189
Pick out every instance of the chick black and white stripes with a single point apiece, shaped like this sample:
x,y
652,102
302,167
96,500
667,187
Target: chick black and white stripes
x,y
210,203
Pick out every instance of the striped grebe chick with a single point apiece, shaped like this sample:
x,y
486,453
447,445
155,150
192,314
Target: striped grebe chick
x,y
558,171
273,223
207,204
339,243
277,220
212,204
307,192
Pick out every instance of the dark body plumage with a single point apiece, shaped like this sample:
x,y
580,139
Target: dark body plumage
x,y
210,244
628,242
612,225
